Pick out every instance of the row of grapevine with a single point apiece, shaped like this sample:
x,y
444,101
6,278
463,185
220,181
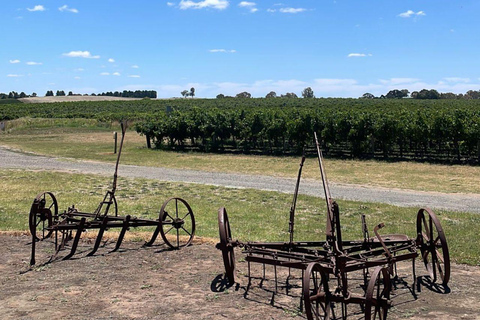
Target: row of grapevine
x,y
430,134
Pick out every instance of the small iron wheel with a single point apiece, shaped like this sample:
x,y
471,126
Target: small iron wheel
x,y
177,223
316,293
43,212
377,296
225,245
433,246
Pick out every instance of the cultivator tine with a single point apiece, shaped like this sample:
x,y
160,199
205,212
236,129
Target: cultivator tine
x,y
102,229
126,224
77,239
154,236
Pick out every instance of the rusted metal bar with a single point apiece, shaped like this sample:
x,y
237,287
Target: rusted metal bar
x,y
77,238
291,224
122,233
99,236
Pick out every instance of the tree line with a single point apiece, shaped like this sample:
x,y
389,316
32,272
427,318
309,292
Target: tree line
x,y
424,94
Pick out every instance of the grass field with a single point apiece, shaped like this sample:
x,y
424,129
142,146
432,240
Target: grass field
x,y
254,215
87,139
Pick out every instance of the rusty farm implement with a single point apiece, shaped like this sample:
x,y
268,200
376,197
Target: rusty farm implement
x,y
326,265
175,223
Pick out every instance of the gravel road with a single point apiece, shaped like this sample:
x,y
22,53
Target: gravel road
x,y
405,198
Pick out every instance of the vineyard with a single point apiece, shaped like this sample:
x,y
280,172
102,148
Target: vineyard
x,y
425,130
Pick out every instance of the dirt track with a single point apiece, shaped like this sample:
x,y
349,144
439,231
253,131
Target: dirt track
x,y
156,283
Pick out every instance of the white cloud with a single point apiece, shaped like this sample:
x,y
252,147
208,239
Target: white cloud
x,y
134,76
15,61
170,4
135,66
14,75
77,78
222,51
111,60
33,63
104,74
457,79
79,70
215,4
36,8
80,54
247,4
292,10
67,9
271,10
116,74
411,13
354,55
398,81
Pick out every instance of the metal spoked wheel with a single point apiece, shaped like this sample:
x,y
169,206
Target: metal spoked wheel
x,y
228,253
377,297
177,223
433,246
316,293
43,211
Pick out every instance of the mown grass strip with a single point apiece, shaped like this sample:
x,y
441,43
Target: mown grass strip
x,y
254,215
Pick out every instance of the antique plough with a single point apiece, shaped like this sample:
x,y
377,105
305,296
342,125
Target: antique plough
x,y
175,223
322,262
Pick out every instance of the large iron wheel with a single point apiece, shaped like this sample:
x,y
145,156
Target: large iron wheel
x,y
316,293
378,295
225,244
177,223
433,246
43,211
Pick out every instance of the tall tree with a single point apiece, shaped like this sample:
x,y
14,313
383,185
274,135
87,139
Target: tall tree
x,y
184,93
271,94
308,93
192,92
243,95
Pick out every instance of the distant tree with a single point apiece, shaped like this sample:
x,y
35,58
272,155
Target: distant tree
x,y
49,93
184,93
243,95
308,93
60,93
220,96
11,95
271,94
448,95
70,93
405,93
397,94
426,94
289,95
367,96
472,94
192,92
22,95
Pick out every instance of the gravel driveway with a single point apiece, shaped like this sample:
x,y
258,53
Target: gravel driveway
x,y
404,198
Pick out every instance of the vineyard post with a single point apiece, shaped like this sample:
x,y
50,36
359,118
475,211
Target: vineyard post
x,y
115,146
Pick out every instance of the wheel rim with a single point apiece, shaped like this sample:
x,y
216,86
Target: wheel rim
x,y
378,295
228,253
433,246
177,223
315,292
43,211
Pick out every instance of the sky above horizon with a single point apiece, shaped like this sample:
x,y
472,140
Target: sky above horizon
x,y
341,48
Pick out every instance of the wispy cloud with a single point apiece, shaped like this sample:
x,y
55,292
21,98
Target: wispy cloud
x,y
411,13
222,51
14,75
170,4
214,4
134,76
80,54
36,8
65,8
116,74
135,66
111,60
398,81
356,55
105,74
457,79
15,61
33,63
292,10
251,6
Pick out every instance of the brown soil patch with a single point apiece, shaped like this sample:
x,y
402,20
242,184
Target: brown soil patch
x,y
157,283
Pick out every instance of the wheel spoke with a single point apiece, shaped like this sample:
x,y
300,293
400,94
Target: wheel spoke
x,y
186,231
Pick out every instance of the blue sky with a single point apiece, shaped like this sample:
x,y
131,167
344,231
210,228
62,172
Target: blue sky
x,y
339,48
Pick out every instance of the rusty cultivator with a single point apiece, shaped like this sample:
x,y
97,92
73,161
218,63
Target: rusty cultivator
x,y
322,262
176,222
